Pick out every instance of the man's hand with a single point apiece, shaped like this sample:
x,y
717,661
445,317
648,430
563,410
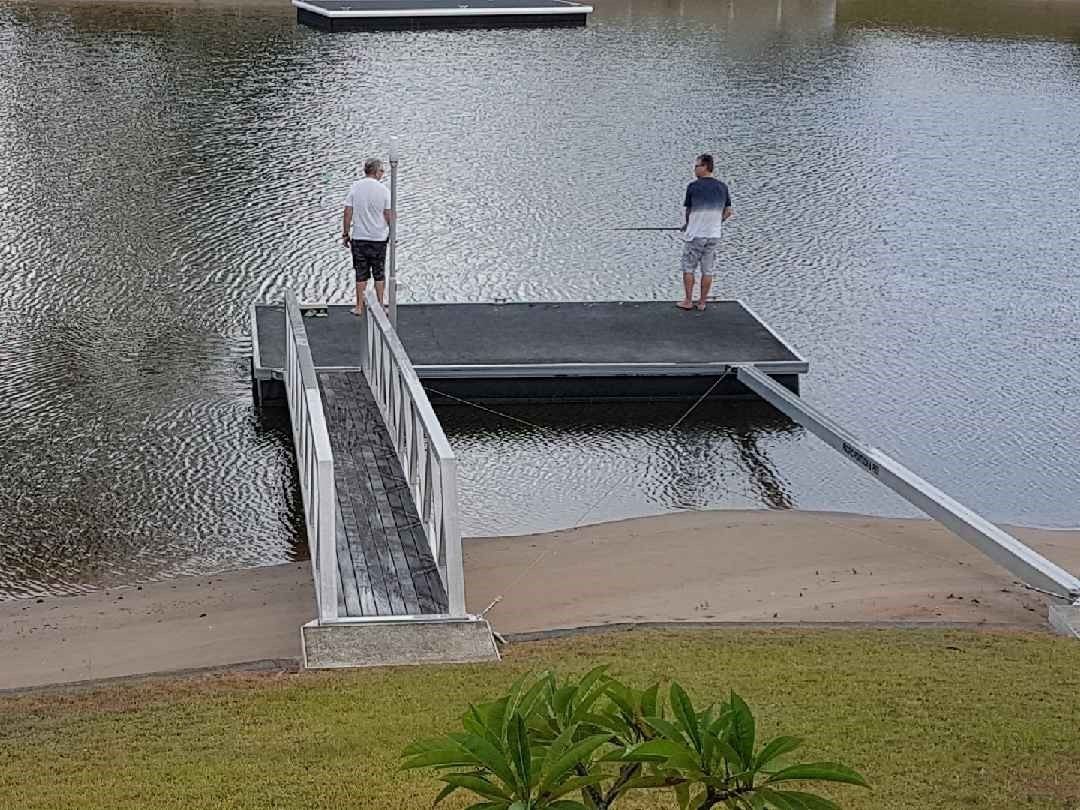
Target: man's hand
x,y
345,240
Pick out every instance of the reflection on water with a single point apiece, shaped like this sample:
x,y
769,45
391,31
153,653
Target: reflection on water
x,y
1008,19
901,174
537,467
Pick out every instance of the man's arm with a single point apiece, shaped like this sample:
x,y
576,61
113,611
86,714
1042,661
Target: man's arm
x,y
728,213
388,213
346,224
686,219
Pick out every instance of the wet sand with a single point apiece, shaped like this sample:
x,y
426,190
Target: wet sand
x,y
719,566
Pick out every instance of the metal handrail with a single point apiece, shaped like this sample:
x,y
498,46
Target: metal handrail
x,y
997,544
314,459
429,464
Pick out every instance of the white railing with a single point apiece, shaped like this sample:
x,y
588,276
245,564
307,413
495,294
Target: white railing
x,y
425,455
313,458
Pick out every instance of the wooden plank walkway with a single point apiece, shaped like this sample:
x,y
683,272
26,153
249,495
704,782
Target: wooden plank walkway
x,y
384,561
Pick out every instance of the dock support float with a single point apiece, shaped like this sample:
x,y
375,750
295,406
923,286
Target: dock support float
x,y
1029,566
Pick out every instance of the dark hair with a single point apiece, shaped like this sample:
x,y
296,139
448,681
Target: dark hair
x,y
706,161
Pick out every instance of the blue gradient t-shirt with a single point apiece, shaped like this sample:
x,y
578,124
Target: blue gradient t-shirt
x,y
706,198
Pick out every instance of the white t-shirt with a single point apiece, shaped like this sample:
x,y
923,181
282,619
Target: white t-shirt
x,y
368,199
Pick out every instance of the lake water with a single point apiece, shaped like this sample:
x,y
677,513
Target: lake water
x,y
904,176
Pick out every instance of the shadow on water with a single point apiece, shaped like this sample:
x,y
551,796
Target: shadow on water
x,y
272,425
576,463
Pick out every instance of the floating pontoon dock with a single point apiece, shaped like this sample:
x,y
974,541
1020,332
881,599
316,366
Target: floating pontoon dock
x,y
542,351
368,15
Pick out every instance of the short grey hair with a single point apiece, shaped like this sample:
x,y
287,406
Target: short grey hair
x,y
372,165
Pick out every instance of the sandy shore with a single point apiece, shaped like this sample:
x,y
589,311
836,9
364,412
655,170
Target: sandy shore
x,y
699,566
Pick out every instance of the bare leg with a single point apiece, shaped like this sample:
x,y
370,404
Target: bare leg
x,y
360,287
380,292
706,285
688,289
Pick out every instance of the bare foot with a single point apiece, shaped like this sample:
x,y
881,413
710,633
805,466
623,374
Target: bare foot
x,y
684,305
356,311
701,306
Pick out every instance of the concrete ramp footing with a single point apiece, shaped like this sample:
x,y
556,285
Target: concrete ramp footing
x,y
392,642
1065,619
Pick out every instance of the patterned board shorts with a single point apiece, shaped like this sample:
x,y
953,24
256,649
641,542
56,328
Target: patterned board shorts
x,y
368,259
699,256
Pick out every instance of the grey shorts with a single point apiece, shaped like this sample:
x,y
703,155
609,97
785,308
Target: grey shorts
x,y
699,256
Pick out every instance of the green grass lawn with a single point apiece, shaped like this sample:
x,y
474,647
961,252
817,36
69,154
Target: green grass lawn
x,y
934,719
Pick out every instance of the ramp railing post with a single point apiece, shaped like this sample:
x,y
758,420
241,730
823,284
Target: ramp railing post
x,y
391,280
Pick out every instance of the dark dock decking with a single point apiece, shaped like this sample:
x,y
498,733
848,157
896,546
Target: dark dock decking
x,y
368,15
542,351
384,560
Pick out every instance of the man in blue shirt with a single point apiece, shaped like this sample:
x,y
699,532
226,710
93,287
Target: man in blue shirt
x,y
708,207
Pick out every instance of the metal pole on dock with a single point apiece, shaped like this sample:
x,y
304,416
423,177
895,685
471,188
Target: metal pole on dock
x,y
392,275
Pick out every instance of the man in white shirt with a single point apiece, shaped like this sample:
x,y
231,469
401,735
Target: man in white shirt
x,y
366,229
708,207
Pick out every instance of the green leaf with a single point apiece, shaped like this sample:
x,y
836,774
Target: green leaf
x,y
592,677
819,771
478,785
720,724
517,739
442,758
742,732
654,751
423,746
586,700
725,750
806,801
684,712
494,714
621,696
446,791
775,748
566,804
476,723
564,696
486,754
666,729
648,701
554,753
682,795
528,702
511,703
573,755
578,783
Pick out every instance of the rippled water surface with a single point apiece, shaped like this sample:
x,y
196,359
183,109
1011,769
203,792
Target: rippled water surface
x,y
905,178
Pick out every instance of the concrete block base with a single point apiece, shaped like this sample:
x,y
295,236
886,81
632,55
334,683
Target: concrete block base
x,y
1065,619
434,640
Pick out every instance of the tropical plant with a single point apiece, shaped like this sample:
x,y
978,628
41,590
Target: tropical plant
x,y
546,743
